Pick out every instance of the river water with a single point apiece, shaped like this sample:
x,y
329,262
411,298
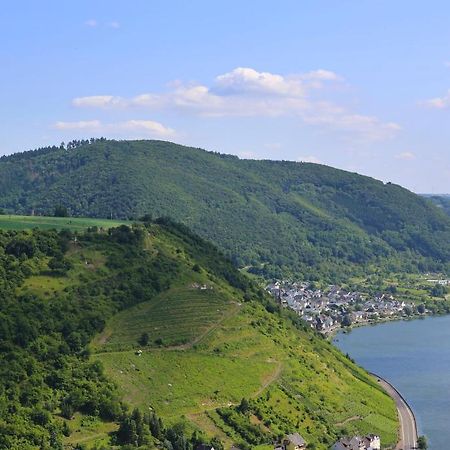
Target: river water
x,y
415,357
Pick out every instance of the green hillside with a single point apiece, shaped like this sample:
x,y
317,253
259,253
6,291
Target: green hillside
x,y
78,306
441,201
270,216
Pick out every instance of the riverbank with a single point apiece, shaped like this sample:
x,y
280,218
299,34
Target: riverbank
x,y
408,425
332,333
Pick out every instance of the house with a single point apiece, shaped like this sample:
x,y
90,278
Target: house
x,y
369,442
204,447
291,442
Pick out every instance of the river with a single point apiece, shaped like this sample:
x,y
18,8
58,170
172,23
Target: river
x,y
415,357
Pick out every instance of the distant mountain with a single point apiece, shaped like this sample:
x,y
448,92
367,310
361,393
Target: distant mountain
x,y
441,201
272,216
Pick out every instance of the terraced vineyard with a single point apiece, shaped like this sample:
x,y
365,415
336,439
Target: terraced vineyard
x,y
176,317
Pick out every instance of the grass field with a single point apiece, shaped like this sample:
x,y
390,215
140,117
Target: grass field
x,y
295,382
13,222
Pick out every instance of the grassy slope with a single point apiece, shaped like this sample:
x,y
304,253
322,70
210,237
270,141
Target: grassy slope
x,y
299,382
218,350
284,213
231,349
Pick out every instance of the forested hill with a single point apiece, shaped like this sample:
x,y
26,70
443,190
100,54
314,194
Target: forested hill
x,y
269,215
151,317
441,201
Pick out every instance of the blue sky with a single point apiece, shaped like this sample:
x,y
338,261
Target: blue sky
x,y
359,85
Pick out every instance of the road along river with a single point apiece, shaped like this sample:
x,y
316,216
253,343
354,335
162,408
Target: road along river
x,y
408,427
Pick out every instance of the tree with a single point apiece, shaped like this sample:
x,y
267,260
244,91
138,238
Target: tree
x,y
438,290
421,309
144,339
60,211
346,320
408,310
422,443
244,406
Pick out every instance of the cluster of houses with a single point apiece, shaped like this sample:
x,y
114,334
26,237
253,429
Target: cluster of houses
x,y
369,442
296,442
440,281
334,307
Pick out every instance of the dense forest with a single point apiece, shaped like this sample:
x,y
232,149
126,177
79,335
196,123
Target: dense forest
x,y
273,217
441,201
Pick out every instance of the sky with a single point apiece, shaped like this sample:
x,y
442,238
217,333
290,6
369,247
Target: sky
x,y
356,84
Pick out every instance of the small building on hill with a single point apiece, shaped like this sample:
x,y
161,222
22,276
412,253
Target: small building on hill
x,y
291,442
204,447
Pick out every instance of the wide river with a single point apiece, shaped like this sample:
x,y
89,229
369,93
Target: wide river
x,y
415,357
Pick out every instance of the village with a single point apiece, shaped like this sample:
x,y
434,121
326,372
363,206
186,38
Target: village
x,y
330,309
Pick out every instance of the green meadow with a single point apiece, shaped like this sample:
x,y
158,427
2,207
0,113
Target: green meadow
x,y
15,222
293,380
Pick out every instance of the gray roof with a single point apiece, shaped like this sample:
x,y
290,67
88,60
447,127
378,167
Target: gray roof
x,y
296,439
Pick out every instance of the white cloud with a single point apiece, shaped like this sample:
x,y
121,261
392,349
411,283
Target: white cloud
x,y
405,156
309,159
247,154
439,102
91,23
245,92
80,125
96,101
141,127
149,126
244,80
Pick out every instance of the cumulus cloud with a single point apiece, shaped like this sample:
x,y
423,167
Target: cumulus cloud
x,y
96,101
245,92
149,126
405,156
439,102
141,127
80,125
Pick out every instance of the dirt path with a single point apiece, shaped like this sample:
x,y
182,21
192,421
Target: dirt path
x,y
274,377
350,419
228,315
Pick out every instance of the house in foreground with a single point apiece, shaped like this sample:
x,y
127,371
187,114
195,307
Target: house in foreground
x,y
291,442
204,447
369,442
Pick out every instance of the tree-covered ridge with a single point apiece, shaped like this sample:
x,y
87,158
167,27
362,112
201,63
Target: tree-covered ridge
x,y
275,216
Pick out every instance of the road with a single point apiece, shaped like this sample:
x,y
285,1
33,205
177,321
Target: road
x,y
408,428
